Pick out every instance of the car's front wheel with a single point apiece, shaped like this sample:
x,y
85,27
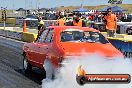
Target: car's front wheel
x,y
27,67
49,69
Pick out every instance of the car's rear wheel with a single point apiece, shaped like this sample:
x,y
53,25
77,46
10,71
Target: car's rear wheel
x,y
27,67
49,69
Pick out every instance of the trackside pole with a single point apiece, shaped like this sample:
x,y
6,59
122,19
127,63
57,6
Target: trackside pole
x,y
4,24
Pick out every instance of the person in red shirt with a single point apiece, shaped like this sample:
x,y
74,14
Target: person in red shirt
x,y
111,23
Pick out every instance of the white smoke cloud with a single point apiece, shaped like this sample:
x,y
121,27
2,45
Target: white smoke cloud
x,y
93,64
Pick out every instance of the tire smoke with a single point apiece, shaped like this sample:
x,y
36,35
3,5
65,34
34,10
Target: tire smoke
x,y
93,64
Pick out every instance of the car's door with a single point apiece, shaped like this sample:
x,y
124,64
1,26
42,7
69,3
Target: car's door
x,y
50,47
38,52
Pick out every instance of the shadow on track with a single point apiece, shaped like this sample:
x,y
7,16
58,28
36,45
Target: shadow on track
x,y
35,75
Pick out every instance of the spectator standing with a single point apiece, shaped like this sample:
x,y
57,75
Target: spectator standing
x,y
40,26
61,21
111,23
77,21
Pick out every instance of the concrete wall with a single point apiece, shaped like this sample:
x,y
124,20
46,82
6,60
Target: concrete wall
x,y
26,37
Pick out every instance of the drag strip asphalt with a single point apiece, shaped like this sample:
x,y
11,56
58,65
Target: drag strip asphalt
x,y
11,73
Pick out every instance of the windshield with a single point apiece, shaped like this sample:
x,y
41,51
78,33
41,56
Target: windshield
x,y
82,36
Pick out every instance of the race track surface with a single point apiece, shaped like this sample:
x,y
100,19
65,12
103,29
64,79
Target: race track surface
x,y
11,73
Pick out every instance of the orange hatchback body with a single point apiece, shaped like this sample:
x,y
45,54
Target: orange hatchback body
x,y
57,42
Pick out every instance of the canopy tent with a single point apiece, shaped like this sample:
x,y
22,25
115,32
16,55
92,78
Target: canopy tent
x,y
81,10
114,9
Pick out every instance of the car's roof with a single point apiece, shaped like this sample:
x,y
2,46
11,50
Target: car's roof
x,y
62,28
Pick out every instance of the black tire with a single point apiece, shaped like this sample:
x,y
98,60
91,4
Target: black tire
x,y
27,67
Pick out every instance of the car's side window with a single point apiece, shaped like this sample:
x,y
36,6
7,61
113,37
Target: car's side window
x,y
43,35
49,36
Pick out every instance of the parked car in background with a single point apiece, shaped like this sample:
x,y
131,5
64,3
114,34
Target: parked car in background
x,y
49,16
129,17
31,17
126,18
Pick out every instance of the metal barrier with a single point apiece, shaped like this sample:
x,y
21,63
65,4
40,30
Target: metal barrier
x,y
50,22
34,22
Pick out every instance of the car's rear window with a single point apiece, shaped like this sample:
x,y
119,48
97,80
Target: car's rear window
x,y
82,36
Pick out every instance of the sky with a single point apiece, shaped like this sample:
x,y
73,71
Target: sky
x,y
28,4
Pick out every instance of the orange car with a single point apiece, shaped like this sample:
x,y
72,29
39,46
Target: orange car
x,y
57,42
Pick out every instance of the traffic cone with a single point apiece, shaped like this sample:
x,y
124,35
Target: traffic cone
x,y
24,26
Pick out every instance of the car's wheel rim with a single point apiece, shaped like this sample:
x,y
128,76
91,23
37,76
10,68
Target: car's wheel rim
x,y
25,64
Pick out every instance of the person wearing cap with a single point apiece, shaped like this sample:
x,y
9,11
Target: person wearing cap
x,y
40,23
111,23
40,26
